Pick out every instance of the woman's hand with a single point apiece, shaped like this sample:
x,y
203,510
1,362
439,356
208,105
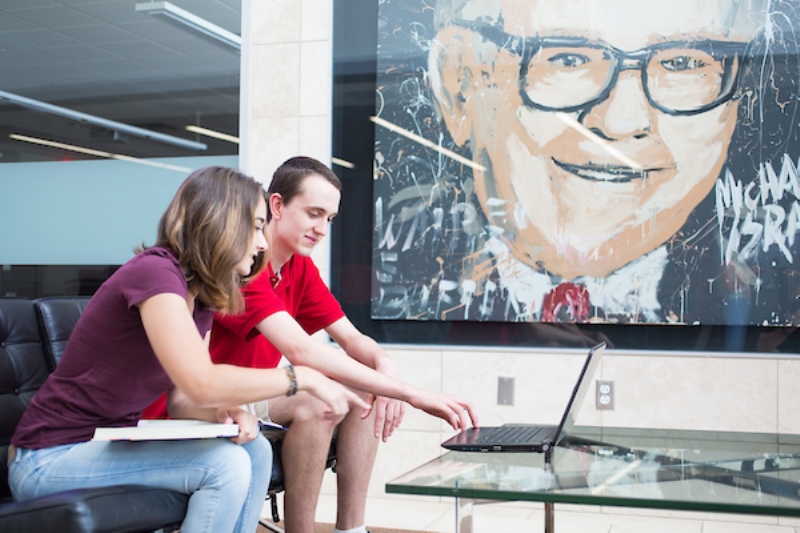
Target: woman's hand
x,y
248,423
336,396
455,411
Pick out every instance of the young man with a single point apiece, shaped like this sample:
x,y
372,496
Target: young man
x,y
285,304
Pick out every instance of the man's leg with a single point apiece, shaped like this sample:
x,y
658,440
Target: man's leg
x,y
356,448
303,455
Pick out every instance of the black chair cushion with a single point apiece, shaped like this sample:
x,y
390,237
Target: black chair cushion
x,y
118,509
22,371
57,318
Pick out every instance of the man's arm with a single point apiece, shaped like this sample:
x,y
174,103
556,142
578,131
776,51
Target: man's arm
x,y
356,372
363,365
389,412
291,340
357,345
183,354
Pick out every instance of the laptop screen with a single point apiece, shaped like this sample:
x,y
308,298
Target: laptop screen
x,y
579,393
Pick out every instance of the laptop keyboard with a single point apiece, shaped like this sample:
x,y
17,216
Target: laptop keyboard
x,y
510,435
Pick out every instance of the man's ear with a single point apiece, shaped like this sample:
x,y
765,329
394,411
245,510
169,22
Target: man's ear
x,y
275,203
452,64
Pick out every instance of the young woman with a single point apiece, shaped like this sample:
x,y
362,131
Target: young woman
x,y
145,332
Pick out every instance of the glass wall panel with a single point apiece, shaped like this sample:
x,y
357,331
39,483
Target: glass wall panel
x,y
105,107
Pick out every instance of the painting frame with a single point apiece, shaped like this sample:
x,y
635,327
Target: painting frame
x,y
353,259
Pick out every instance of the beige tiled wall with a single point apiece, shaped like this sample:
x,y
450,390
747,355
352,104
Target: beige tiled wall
x,y
286,110
286,87
655,390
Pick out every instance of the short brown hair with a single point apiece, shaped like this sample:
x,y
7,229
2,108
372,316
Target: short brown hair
x,y
209,225
288,178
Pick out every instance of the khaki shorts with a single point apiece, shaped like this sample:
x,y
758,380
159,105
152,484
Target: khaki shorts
x,y
259,409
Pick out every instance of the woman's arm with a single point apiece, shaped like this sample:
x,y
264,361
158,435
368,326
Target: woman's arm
x,y
183,354
181,407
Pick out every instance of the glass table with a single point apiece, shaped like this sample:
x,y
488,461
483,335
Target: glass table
x,y
726,472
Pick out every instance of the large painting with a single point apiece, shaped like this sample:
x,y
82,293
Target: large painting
x,y
581,161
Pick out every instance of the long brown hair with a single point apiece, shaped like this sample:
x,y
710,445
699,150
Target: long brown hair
x,y
209,225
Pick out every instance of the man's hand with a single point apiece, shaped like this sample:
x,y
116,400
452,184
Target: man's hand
x,y
389,412
248,423
455,411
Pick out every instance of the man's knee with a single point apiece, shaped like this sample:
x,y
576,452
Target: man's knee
x,y
310,412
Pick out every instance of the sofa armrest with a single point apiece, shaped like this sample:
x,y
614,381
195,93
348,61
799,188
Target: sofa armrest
x,y
117,509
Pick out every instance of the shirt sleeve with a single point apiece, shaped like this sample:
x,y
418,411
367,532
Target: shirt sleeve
x,y
260,302
318,308
155,271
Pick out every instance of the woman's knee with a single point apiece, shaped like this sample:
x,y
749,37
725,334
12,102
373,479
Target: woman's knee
x,y
230,467
239,464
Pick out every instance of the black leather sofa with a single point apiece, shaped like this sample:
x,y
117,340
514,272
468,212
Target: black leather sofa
x,y
33,334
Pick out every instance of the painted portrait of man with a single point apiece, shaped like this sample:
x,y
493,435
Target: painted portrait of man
x,y
541,160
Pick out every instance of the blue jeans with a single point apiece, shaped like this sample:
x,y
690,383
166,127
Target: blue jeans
x,y
227,483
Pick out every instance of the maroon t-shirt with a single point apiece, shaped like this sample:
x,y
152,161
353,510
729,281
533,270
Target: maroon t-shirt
x,y
109,372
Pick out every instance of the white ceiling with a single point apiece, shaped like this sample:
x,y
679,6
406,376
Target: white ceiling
x,y
104,58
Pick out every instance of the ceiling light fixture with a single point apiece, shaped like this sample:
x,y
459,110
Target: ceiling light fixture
x,y
96,153
213,133
191,20
98,121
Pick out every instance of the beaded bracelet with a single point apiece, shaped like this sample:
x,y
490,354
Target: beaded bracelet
x,y
292,381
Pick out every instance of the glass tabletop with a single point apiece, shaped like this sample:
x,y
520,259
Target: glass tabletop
x,y
731,472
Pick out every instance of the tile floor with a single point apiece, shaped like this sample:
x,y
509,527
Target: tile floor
x,y
430,514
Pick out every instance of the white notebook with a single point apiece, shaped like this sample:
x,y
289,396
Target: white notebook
x,y
167,430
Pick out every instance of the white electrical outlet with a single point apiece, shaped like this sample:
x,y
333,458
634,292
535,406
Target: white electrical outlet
x,y
505,390
604,395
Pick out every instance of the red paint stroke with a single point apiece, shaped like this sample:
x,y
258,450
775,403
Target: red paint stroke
x,y
569,298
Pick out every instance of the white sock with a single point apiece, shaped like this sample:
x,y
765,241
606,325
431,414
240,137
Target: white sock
x,y
360,529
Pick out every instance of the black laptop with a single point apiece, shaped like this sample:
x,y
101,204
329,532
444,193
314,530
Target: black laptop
x,y
527,437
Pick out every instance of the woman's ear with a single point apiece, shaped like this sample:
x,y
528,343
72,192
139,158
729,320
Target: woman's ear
x,y
451,63
274,204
